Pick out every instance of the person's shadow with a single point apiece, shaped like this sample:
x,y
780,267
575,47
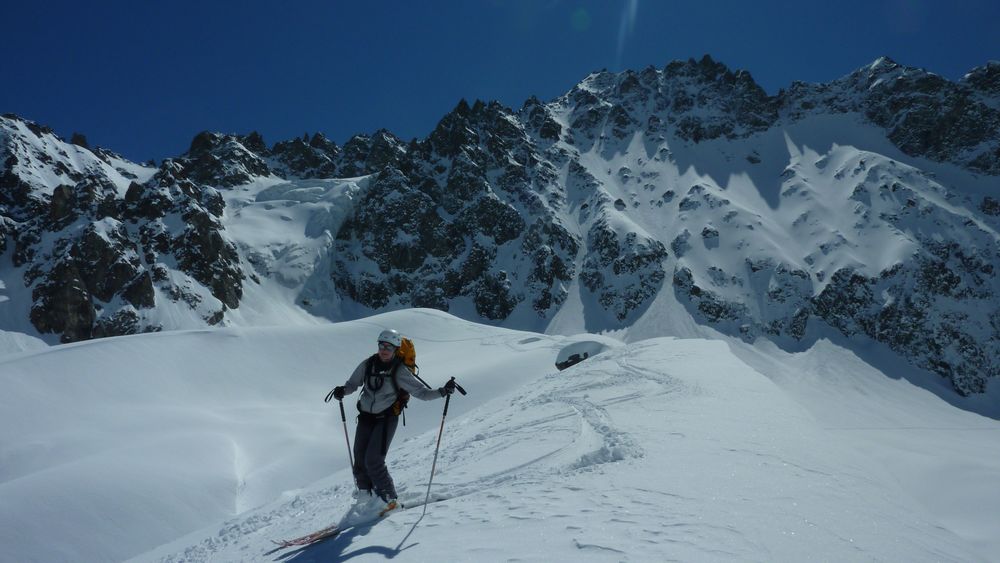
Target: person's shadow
x,y
335,549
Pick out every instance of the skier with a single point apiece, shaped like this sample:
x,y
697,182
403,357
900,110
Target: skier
x,y
386,385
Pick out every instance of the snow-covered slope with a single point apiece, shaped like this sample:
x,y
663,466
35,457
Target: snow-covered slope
x,y
206,445
15,342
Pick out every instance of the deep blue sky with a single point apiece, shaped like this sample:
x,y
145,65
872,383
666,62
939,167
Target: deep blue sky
x,y
143,77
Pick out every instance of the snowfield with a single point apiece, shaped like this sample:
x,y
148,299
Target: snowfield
x,y
207,445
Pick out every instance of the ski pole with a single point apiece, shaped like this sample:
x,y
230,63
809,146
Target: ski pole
x,y
447,401
343,417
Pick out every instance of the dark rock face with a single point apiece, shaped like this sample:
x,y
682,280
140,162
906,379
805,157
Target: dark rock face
x,y
306,158
63,305
624,272
204,253
727,104
990,206
200,248
224,160
367,155
985,80
910,323
106,258
710,305
123,321
93,261
437,218
744,106
93,257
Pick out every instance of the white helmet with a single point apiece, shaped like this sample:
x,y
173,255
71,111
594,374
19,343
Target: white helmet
x,y
391,336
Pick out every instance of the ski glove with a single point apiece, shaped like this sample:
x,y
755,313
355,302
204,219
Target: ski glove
x,y
448,388
338,392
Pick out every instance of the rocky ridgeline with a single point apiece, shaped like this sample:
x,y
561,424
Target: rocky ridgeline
x,y
923,114
505,210
97,254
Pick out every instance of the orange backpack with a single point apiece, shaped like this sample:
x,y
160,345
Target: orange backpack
x,y
408,354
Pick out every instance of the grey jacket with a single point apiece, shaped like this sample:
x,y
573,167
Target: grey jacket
x,y
378,393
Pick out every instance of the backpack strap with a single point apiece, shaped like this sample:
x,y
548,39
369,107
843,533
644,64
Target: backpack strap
x,y
369,373
402,397
421,380
395,367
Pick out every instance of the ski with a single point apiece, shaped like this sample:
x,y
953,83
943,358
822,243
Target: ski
x,y
325,533
334,530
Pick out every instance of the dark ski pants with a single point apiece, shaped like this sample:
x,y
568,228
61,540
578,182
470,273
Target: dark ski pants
x,y
371,442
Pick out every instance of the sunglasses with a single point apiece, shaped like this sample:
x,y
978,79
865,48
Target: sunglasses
x,y
386,346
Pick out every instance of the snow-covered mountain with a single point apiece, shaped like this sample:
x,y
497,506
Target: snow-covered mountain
x,y
666,200
206,445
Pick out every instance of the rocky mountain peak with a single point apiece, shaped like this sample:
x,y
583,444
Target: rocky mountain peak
x,y
707,72
695,100
205,142
462,109
881,66
319,141
254,141
705,69
10,121
306,157
461,126
225,160
985,79
368,154
452,132
889,75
